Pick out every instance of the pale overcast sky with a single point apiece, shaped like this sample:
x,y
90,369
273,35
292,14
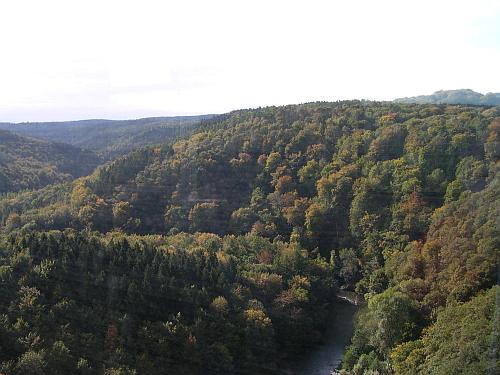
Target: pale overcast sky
x,y
65,60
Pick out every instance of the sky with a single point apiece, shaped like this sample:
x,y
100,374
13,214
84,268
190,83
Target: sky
x,y
68,60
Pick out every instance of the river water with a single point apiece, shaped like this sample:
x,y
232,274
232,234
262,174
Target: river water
x,y
327,357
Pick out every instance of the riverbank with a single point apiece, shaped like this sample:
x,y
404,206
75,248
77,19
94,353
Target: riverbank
x,y
350,297
327,357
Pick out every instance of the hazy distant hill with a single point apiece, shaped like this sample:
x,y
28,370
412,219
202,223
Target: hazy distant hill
x,y
109,138
27,163
464,96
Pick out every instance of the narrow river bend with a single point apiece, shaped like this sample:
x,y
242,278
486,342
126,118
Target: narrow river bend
x,y
327,357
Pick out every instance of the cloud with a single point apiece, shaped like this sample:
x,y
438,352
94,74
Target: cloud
x,y
117,59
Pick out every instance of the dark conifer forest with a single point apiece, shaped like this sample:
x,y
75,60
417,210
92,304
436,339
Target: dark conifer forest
x,y
222,251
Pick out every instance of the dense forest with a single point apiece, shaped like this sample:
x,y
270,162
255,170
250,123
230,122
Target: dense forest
x,y
82,303
109,138
221,252
464,96
27,163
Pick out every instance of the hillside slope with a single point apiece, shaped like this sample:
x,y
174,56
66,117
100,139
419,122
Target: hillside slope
x,y
276,169
27,163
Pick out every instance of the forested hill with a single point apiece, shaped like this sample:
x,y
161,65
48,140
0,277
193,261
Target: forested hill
x,y
110,138
398,202
27,163
464,96
278,170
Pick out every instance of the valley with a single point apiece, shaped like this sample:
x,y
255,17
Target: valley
x,y
223,248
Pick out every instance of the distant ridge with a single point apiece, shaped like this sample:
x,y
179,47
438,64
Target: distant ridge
x,y
462,96
109,138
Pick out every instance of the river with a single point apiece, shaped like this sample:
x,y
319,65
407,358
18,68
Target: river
x,y
327,357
